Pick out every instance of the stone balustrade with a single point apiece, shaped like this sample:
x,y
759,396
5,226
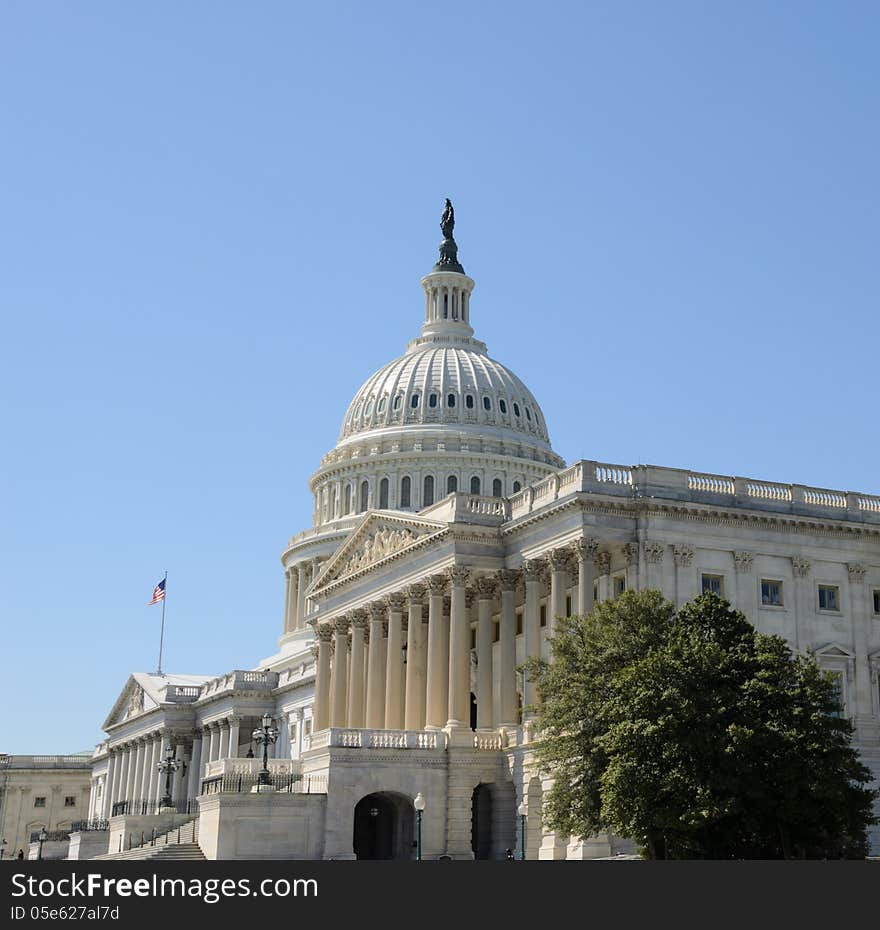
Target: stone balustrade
x,y
250,767
697,487
380,739
240,680
45,762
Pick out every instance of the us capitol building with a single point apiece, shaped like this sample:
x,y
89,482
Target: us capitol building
x,y
447,536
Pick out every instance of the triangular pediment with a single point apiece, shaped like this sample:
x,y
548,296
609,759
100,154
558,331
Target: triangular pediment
x,y
381,536
133,700
834,651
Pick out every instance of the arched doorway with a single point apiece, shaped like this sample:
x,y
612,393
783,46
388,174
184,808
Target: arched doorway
x,y
384,827
481,822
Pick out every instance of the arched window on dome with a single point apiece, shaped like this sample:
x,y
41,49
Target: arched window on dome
x,y
528,415
365,496
405,491
383,403
414,401
397,402
347,499
516,409
451,484
496,488
469,401
502,405
475,485
487,403
428,491
369,408
432,400
383,494
517,487
450,400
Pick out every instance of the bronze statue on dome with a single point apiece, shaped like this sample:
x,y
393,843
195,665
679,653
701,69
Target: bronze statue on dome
x,y
447,221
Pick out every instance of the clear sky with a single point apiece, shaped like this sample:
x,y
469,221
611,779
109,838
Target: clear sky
x,y
213,222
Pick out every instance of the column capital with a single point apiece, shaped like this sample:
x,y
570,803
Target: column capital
x,y
377,610
341,624
856,572
585,548
683,556
800,566
324,632
360,619
631,553
558,559
654,551
395,601
314,649
742,561
415,595
458,575
486,587
603,562
533,570
508,579
436,584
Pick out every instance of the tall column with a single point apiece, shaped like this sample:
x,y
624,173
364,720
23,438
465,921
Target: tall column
x,y
485,708
178,779
631,551
654,552
746,592
131,754
211,754
532,573
286,625
416,656
321,712
803,596
860,618
164,741
507,676
339,672
112,790
376,669
152,762
394,711
459,651
585,550
234,726
437,688
143,777
224,739
195,766
558,560
602,561
300,596
684,586
356,670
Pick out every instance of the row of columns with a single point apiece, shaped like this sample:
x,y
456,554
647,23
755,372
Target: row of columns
x,y
133,774
362,679
297,579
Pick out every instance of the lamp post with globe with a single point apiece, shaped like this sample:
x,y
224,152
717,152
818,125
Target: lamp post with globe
x,y
265,735
522,811
419,805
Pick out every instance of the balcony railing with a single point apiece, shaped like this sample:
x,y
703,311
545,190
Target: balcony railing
x,y
89,826
652,481
141,807
242,784
250,767
51,836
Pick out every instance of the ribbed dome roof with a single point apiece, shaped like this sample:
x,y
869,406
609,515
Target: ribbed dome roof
x,y
448,386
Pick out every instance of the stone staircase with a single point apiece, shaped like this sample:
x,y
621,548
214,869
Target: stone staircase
x,y
179,843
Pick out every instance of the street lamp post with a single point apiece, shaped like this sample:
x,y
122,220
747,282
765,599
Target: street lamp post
x,y
169,765
265,735
419,805
42,836
522,811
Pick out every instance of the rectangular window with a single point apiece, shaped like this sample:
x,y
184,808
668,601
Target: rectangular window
x,y
496,631
543,615
619,584
771,593
307,726
829,597
519,623
70,801
877,600
39,802
568,606
473,637
596,592
713,583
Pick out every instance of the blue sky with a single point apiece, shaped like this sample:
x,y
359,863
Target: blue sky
x,y
215,217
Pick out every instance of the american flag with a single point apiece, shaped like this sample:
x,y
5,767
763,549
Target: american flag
x,y
158,593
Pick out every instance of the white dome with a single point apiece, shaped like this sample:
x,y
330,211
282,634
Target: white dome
x,y
447,386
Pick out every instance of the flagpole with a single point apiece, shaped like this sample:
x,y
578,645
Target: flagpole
x,y
162,630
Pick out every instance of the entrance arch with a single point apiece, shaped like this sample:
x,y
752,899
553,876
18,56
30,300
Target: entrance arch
x,y
384,826
481,822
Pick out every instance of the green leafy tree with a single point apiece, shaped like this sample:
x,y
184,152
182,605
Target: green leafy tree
x,y
696,735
